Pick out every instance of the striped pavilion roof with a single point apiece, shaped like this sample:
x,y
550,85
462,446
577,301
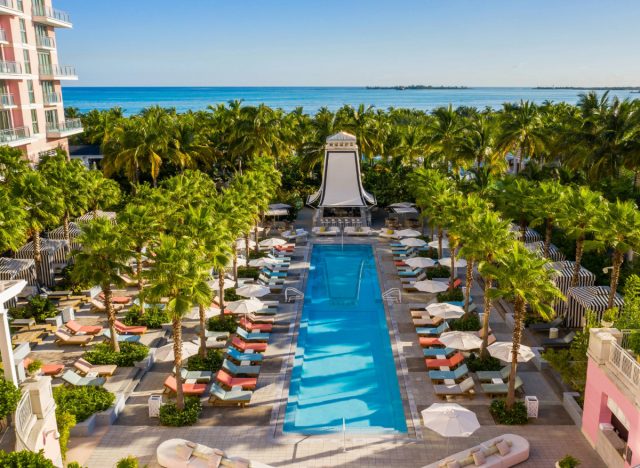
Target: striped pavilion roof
x,y
538,248
595,298
85,218
58,233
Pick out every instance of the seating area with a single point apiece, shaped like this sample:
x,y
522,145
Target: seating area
x,y
500,452
181,453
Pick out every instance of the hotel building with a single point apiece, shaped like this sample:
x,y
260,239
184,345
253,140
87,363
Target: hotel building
x,y
31,110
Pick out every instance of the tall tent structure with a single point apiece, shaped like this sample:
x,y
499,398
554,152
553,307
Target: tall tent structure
x,y
341,196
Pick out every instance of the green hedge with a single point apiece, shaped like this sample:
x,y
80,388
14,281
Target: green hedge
x,y
248,272
430,253
469,322
453,295
24,459
230,295
438,272
40,308
211,362
171,416
9,397
129,354
475,363
515,416
82,402
222,323
153,317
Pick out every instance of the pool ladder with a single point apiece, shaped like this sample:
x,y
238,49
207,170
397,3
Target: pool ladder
x,y
291,294
392,296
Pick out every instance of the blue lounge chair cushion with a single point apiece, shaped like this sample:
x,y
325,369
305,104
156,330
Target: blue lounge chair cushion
x,y
121,338
245,335
232,395
233,353
454,374
239,370
433,352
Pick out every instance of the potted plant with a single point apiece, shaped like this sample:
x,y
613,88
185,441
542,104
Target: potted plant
x,y
568,462
33,369
609,317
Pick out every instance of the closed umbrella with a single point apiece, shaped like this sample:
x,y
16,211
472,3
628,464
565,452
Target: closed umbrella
x,y
464,341
272,242
445,310
450,420
434,244
431,286
412,242
253,290
165,353
408,233
245,306
420,262
459,262
502,350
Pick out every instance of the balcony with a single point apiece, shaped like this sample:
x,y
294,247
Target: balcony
x,y
15,136
57,72
10,70
64,129
9,7
7,102
3,37
45,42
51,17
52,99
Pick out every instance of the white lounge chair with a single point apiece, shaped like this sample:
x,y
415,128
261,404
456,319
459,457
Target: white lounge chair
x,y
326,231
357,231
181,453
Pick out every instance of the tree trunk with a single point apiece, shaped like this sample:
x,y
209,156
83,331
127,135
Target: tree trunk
x,y
618,258
221,287
517,338
255,236
246,246
452,249
440,242
576,267
547,236
203,330
486,313
37,255
235,264
111,316
139,275
636,180
468,283
177,351
433,229
523,230
66,228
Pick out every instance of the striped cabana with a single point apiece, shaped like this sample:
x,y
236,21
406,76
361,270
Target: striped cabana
x,y
538,248
91,215
74,232
54,252
529,236
18,269
593,298
563,277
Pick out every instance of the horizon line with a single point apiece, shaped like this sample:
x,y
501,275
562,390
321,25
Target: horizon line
x,y
371,87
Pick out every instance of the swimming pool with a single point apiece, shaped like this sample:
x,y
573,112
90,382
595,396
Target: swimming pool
x,y
343,366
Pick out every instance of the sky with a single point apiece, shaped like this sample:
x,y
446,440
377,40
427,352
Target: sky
x,y
352,42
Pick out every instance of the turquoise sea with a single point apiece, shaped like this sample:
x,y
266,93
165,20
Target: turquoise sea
x,y
132,100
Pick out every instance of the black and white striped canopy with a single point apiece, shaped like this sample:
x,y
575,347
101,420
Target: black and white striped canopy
x,y
538,248
529,236
593,298
18,269
74,232
91,215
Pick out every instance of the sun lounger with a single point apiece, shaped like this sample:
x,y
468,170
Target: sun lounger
x,y
357,231
77,329
198,376
241,345
123,300
563,342
130,329
220,396
235,369
122,338
293,235
429,341
216,335
516,452
456,374
410,273
426,321
269,281
545,326
388,234
326,231
99,306
85,367
171,386
227,380
254,336
255,318
450,362
128,280
433,352
464,388
437,331
251,327
496,389
488,376
238,356
76,380
63,338
51,369
274,274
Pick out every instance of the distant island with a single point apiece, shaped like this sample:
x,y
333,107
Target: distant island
x,y
403,88
594,88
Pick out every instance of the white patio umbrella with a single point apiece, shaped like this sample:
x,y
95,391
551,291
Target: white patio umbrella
x,y
165,353
434,244
450,420
445,310
464,341
502,350
241,245
420,262
412,242
215,285
208,312
431,286
253,290
262,262
446,261
245,306
408,233
271,242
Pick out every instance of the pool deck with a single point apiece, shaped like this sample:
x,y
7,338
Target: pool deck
x,y
255,432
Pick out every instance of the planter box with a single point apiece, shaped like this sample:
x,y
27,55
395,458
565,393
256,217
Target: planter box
x,y
573,408
54,321
147,362
68,314
85,428
92,292
109,416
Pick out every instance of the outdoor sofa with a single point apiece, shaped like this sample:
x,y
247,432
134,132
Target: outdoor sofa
x,y
500,452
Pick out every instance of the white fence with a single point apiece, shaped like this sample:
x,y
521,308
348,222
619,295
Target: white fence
x,y
626,365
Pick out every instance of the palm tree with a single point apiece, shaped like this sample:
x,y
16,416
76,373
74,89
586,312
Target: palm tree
x,y
43,204
523,280
101,192
618,228
577,217
180,274
521,130
445,130
13,222
513,198
101,261
12,164
546,201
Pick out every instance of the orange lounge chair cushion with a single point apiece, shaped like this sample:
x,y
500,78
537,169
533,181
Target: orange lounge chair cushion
x,y
243,345
250,326
75,327
188,389
129,330
427,342
46,369
116,299
248,383
453,361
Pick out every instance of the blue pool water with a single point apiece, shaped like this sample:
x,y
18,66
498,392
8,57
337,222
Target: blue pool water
x,y
344,366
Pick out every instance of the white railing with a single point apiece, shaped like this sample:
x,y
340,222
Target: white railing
x,y
52,13
52,98
626,365
392,296
24,418
12,68
14,134
71,124
8,4
57,70
6,100
292,294
46,41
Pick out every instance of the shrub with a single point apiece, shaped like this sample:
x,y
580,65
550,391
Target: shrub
x,y
171,416
129,354
82,402
453,295
69,284
153,317
476,363
9,397
438,272
40,308
468,322
254,255
248,272
222,323
211,362
34,366
430,253
128,462
230,295
515,416
74,465
25,459
568,462
66,421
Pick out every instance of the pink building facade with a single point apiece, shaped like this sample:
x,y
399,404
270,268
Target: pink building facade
x,y
611,415
31,108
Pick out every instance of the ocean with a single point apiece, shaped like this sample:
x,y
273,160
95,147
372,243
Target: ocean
x,y
134,99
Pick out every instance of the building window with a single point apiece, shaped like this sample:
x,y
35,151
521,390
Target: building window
x,y
20,5
27,61
34,122
44,60
52,119
5,120
32,94
23,31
